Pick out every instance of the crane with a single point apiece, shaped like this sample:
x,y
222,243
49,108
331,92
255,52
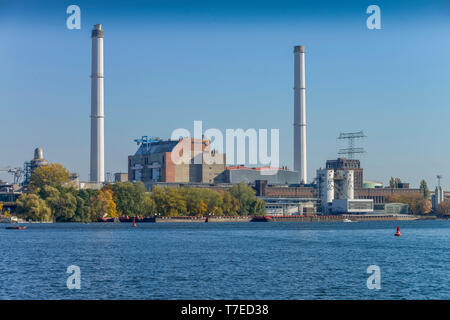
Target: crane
x,y
147,141
16,172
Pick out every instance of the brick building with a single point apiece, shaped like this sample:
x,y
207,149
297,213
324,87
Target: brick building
x,y
177,161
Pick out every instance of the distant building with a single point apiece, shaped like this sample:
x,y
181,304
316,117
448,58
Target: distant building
x,y
38,161
334,184
9,193
348,164
340,206
153,162
369,184
120,177
273,176
378,195
437,198
289,206
396,208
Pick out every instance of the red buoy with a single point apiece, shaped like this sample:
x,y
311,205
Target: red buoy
x,y
398,234
134,222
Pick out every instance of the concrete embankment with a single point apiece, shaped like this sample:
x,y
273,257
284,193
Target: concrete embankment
x,y
340,218
202,219
311,218
230,219
179,219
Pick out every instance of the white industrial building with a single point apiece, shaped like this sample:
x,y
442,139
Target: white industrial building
x,y
336,192
289,206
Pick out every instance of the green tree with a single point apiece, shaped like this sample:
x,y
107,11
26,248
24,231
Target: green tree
x,y
424,187
132,199
249,204
394,182
62,203
230,204
170,201
213,200
32,206
83,212
195,205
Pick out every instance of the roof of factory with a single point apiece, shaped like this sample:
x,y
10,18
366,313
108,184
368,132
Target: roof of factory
x,y
256,168
159,146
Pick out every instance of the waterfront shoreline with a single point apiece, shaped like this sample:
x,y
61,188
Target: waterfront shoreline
x,y
240,219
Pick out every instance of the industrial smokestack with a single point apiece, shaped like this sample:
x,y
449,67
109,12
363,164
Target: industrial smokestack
x,y
299,113
97,108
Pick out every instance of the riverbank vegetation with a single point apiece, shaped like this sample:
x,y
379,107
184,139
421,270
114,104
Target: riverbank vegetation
x,y
53,197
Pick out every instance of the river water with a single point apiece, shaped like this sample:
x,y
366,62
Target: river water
x,y
275,260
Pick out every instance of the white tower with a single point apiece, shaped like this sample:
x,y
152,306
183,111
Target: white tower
x,y
97,108
349,189
300,113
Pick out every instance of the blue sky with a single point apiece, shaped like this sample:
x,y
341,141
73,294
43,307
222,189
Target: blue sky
x,y
230,64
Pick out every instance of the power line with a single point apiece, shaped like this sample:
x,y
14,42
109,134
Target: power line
x,y
351,137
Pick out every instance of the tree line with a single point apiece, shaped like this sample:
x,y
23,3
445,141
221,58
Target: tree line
x,y
53,197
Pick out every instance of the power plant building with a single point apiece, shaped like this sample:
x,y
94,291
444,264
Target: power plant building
x,y
154,162
273,176
348,164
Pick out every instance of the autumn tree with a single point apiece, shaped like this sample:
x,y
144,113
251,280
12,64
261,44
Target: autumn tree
x,y
417,204
52,175
103,205
444,208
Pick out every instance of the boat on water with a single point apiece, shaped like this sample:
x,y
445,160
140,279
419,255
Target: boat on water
x,y
261,219
16,228
136,219
105,219
347,220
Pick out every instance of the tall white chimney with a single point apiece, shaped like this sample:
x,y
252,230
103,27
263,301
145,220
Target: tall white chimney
x,y
97,108
300,113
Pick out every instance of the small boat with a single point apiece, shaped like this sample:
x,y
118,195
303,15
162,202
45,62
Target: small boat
x,y
105,219
16,228
347,220
261,219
